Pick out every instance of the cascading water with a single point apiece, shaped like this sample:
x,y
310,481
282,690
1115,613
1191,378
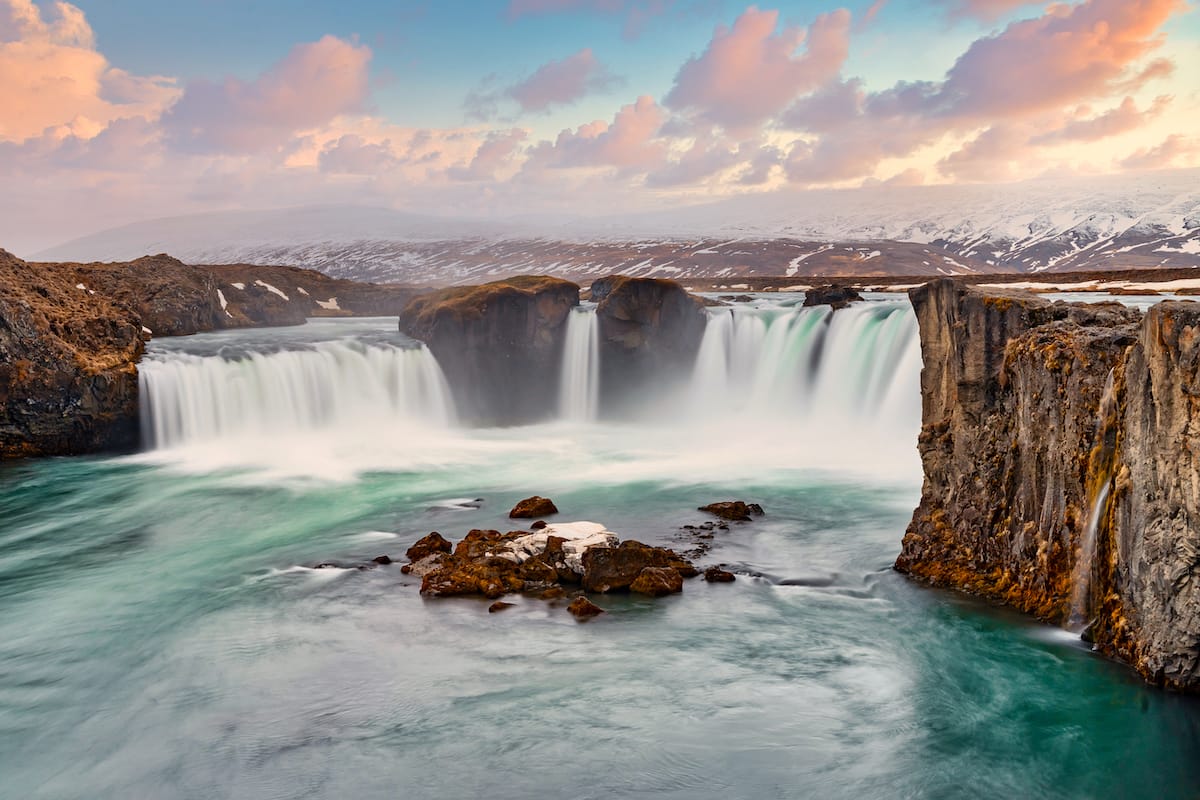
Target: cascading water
x,y
189,398
1100,469
579,388
859,363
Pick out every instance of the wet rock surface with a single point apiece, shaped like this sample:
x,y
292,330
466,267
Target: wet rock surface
x,y
1033,414
583,608
533,507
734,510
650,331
837,297
499,344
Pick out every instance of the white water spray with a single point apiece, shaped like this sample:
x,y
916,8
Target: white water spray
x,y
188,399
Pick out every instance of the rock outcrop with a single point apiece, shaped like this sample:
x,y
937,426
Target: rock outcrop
x,y
499,344
533,507
831,295
650,332
68,375
1059,447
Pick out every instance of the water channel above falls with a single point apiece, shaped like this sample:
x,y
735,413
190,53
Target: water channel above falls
x,y
161,634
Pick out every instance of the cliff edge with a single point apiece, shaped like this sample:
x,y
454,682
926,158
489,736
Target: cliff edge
x,y
1059,448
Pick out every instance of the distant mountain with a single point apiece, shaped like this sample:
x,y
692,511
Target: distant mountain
x,y
1118,222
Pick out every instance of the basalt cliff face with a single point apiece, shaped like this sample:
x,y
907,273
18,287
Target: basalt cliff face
x,y
1059,447
650,331
68,375
499,344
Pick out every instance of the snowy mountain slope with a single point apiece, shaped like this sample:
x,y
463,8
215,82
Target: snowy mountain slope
x,y
1121,222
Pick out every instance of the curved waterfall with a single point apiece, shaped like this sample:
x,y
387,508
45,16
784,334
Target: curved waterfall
x,y
189,398
860,365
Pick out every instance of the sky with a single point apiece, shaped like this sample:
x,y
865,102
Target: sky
x,y
116,111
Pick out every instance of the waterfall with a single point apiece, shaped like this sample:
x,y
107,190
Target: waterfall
x,y
579,388
1100,467
189,398
859,363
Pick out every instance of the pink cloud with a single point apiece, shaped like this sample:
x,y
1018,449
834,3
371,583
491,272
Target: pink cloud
x,y
1171,152
313,84
495,153
992,156
702,160
561,82
750,72
629,143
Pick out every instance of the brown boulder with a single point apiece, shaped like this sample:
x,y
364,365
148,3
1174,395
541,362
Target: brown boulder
x,y
718,575
657,582
583,608
499,605
427,546
607,569
734,510
532,507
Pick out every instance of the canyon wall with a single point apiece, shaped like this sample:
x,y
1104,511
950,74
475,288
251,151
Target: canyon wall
x,y
1058,444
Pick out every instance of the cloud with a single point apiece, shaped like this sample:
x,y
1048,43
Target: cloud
x,y
1027,74
562,82
313,84
986,10
495,153
1122,119
1175,150
749,73
629,143
702,160
51,76
992,156
353,155
555,83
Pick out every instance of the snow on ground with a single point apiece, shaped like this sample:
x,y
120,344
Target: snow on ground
x,y
272,289
329,305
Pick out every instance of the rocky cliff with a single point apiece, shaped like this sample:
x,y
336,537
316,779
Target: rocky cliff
x,y
68,380
1058,444
500,344
650,332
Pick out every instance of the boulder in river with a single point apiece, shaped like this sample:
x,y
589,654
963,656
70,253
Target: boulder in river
x,y
583,608
718,575
733,510
427,546
657,582
616,568
533,507
837,297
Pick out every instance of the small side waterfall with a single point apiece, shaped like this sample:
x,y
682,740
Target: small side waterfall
x,y
579,388
187,398
1100,467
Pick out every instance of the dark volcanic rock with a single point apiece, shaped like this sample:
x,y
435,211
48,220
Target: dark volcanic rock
x,y
733,510
1032,412
657,582
532,507
68,375
427,546
500,344
718,575
382,560
650,332
583,608
607,569
832,295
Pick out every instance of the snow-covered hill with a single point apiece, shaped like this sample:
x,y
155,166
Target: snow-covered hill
x,y
1118,222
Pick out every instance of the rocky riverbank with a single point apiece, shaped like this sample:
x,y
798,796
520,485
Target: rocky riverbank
x,y
1058,444
71,336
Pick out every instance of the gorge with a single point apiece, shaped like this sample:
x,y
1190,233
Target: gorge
x,y
202,589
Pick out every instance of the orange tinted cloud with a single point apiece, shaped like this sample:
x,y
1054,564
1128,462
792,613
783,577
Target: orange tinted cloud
x,y
52,77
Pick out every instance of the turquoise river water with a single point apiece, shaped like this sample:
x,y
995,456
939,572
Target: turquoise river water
x,y
162,634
